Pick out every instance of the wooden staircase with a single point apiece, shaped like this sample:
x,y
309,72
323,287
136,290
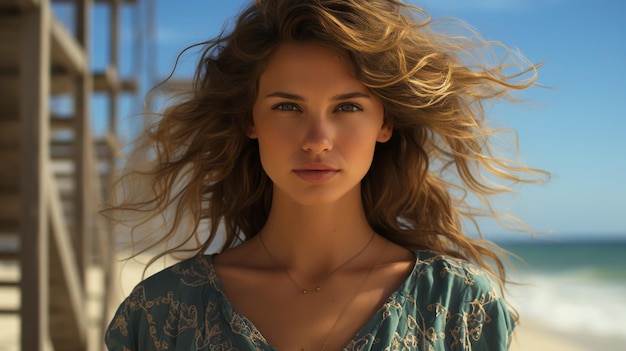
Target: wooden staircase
x,y
53,175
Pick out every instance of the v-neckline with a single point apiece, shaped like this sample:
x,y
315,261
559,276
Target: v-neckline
x,y
376,319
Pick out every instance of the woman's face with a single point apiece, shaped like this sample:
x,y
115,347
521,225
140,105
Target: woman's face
x,y
316,124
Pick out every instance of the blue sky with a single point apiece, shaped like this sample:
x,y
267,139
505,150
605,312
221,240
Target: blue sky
x,y
576,129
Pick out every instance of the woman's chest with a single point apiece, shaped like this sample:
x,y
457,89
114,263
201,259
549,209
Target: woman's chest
x,y
328,319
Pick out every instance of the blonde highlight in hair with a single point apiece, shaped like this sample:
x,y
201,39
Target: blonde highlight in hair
x,y
434,88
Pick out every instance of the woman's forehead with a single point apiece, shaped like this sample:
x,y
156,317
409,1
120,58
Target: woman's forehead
x,y
305,60
309,73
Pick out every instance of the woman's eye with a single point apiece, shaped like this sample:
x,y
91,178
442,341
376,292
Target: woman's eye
x,y
285,107
349,108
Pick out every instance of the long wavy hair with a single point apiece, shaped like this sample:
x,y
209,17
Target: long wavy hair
x,y
205,176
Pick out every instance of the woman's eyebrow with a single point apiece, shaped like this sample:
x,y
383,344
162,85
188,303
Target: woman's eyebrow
x,y
347,96
284,95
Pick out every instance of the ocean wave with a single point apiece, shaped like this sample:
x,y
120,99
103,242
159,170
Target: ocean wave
x,y
581,301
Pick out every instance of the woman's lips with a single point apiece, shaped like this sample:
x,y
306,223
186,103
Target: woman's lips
x,y
316,173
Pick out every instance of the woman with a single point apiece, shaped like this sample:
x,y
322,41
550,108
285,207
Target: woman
x,y
331,144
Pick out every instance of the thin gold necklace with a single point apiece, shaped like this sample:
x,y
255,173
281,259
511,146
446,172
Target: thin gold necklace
x,y
349,303
318,287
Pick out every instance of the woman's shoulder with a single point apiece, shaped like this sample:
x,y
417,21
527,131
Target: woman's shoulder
x,y
183,280
445,267
447,277
458,299
167,303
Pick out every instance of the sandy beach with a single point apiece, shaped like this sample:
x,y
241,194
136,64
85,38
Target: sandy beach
x,y
530,337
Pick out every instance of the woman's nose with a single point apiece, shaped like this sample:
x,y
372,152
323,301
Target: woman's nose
x,y
318,136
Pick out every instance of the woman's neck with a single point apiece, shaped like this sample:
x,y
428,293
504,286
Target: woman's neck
x,y
322,236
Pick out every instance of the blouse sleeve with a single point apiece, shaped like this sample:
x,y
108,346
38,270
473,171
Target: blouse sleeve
x,y
163,312
467,313
478,318
147,319
487,323
127,324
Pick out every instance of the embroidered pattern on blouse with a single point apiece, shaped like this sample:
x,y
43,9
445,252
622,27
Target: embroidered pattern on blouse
x,y
402,324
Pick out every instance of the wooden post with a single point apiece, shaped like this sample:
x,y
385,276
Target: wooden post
x,y
83,152
34,230
113,65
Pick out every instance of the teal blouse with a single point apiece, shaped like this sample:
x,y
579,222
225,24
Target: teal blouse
x,y
444,304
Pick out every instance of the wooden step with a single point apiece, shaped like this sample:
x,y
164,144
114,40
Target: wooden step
x,y
63,150
9,133
9,206
10,34
9,101
9,284
10,171
9,256
9,227
9,251
61,82
61,123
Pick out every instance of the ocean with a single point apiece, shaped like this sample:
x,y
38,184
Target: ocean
x,y
572,288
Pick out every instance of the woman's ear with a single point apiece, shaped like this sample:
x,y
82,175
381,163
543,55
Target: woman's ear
x,y
251,132
385,133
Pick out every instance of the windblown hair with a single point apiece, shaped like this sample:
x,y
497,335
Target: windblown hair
x,y
434,88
